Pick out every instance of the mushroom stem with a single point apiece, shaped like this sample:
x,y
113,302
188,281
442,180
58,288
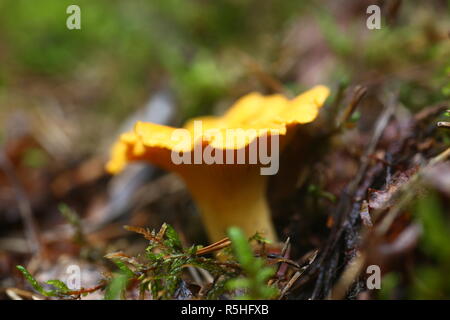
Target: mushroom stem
x,y
235,196
227,194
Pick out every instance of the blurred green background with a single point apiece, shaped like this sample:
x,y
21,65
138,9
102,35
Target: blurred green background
x,y
202,50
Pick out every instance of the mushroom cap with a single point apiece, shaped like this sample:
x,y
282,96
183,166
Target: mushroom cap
x,y
252,116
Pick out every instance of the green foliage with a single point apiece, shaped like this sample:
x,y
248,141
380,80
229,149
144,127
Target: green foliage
x,y
338,41
124,269
60,288
429,277
31,280
59,285
116,287
355,117
160,270
318,192
389,282
436,236
172,241
254,283
35,158
124,44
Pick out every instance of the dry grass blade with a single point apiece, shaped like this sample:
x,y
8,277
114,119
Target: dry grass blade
x,y
145,232
351,272
19,294
214,247
122,257
358,94
284,260
285,246
289,284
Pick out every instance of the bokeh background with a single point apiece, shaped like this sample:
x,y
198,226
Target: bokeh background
x,y
66,95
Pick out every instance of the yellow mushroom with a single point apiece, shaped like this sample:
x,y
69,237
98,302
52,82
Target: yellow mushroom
x,y
224,160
